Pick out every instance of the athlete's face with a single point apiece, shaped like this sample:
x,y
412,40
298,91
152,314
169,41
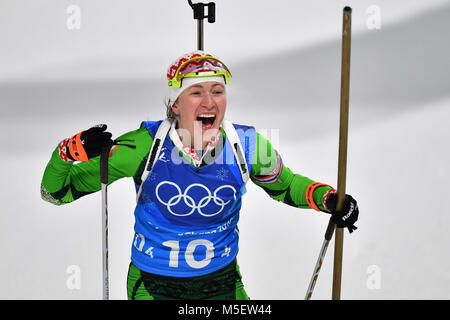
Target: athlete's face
x,y
200,110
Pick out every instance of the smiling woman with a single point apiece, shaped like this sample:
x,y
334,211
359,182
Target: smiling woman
x,y
200,110
190,172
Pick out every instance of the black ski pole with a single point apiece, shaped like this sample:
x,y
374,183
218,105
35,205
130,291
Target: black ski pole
x,y
199,15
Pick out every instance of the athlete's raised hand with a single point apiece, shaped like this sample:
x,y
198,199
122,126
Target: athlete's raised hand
x,y
349,214
89,143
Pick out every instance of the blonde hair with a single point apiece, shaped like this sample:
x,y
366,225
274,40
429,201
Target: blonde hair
x,y
169,112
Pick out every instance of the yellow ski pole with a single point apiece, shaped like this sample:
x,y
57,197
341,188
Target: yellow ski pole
x,y
342,169
343,134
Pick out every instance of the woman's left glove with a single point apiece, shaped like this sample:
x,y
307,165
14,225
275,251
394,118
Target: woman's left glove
x,y
349,214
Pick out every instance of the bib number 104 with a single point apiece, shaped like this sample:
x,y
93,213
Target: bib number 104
x,y
174,254
189,253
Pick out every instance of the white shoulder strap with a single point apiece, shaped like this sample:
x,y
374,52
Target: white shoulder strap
x,y
158,141
236,145
160,137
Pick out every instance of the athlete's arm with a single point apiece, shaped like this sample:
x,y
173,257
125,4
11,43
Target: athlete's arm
x,y
270,173
65,181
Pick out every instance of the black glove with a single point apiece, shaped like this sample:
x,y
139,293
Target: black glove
x,y
88,144
349,214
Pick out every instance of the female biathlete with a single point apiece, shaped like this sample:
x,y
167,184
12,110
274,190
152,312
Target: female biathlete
x,y
190,171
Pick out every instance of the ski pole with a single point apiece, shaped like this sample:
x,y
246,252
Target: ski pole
x,y
343,134
326,241
342,167
199,15
104,156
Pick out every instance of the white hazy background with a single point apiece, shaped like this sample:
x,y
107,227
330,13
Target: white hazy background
x,y
285,58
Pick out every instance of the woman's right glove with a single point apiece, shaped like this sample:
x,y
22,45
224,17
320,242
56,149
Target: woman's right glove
x,y
86,144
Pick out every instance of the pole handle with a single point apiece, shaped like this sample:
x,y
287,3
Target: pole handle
x,y
104,164
330,230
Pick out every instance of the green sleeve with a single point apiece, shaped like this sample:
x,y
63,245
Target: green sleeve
x,y
278,181
64,182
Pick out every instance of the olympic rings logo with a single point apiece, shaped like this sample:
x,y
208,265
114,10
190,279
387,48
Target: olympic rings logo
x,y
190,202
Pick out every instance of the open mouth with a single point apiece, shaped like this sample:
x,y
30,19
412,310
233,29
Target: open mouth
x,y
207,120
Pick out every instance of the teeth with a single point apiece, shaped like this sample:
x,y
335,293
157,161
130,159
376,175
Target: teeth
x,y
207,115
